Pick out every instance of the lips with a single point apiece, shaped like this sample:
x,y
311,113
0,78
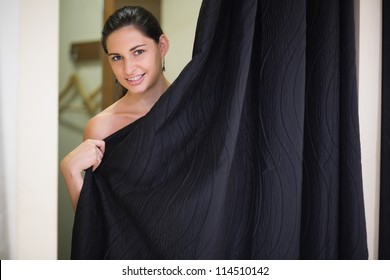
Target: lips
x,y
135,80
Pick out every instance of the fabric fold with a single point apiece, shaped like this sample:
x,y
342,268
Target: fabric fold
x,y
219,168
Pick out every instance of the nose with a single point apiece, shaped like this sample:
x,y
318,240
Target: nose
x,y
129,67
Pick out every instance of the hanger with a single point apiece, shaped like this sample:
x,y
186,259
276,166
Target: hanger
x,y
88,99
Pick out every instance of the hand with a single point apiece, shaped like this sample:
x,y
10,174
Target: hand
x,y
87,154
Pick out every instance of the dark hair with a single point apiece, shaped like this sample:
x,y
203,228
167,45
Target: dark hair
x,y
138,16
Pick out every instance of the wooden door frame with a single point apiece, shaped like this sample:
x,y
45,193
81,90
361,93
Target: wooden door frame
x,y
108,76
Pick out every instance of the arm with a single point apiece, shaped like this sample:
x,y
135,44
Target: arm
x,y
87,154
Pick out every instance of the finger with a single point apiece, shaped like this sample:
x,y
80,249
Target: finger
x,y
100,144
96,147
99,153
96,164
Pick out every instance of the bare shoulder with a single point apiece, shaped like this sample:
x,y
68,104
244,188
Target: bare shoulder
x,y
101,125
98,127
110,120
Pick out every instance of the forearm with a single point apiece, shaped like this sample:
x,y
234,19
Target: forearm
x,y
74,182
87,154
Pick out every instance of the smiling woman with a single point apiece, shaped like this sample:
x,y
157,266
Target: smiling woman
x,y
136,46
135,58
77,25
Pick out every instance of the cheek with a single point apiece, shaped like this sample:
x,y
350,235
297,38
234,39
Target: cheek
x,y
156,63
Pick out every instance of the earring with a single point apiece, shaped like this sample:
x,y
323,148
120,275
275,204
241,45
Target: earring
x,y
163,65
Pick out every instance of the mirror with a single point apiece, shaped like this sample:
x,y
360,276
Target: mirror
x,y
86,83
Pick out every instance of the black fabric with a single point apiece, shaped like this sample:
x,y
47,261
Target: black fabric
x,y
384,217
252,153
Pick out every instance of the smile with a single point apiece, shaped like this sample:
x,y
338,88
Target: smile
x,y
136,78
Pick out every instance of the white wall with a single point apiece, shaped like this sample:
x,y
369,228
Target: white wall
x,y
178,21
29,83
369,73
9,27
36,187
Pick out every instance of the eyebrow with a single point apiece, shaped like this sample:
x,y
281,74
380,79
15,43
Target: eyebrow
x,y
132,49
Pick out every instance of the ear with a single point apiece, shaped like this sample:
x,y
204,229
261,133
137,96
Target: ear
x,y
164,45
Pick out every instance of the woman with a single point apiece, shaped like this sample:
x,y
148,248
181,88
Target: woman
x,y
217,170
135,46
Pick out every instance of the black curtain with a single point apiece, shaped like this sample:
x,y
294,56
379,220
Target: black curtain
x,y
252,153
384,217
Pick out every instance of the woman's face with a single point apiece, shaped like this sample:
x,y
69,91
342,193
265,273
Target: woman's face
x,y
136,60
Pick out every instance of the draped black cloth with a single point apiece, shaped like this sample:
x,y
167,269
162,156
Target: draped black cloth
x,y
384,217
252,153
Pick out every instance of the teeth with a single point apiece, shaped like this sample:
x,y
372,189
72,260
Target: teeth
x,y
136,78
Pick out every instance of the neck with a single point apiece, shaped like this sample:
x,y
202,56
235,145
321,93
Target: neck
x,y
149,98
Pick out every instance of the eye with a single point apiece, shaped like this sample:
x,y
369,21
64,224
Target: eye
x,y
138,52
116,57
